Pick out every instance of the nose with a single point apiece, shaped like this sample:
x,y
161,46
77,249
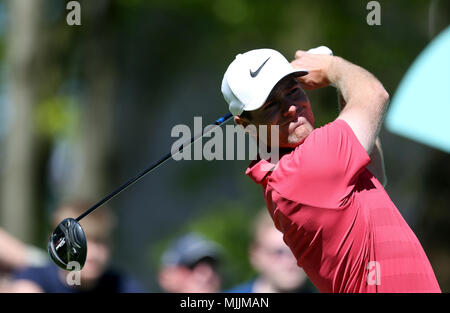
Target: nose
x,y
291,111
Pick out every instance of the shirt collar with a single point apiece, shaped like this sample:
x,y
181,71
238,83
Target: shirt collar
x,y
259,169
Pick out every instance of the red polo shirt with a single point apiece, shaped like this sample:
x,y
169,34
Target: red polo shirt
x,y
338,220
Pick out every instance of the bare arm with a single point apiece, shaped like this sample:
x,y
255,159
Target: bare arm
x,y
366,100
12,251
15,254
363,99
23,286
376,165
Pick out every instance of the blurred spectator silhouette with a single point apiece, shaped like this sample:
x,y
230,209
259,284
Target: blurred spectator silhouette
x,y
15,255
276,266
96,275
190,264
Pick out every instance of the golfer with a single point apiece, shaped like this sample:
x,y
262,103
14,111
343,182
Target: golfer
x,y
325,193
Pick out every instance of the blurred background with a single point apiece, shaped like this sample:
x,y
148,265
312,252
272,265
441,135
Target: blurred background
x,y
83,108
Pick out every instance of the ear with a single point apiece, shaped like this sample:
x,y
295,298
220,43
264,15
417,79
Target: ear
x,y
240,121
246,125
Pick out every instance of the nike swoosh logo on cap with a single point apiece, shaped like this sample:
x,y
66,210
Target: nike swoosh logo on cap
x,y
255,73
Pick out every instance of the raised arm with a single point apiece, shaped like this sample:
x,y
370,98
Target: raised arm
x,y
363,97
376,165
366,100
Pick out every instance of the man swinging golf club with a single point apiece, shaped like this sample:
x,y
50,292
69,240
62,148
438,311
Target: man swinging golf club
x,y
326,192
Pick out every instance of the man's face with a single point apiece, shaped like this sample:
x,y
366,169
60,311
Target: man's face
x,y
288,107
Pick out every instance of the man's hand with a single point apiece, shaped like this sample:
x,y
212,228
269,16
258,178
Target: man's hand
x,y
366,99
317,65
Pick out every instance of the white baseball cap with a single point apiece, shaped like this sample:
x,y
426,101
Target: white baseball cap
x,y
251,77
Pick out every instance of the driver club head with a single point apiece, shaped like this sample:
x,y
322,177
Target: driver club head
x,y
67,244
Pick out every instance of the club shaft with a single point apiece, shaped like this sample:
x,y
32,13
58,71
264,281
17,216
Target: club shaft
x,y
162,160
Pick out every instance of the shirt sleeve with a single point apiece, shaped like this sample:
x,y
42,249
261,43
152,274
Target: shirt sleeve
x,y
324,169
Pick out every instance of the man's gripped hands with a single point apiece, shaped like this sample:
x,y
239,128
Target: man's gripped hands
x,y
318,66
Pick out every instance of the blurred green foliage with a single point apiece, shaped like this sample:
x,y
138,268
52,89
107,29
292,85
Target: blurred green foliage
x,y
57,117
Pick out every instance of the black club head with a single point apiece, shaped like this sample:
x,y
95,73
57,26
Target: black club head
x,y
67,245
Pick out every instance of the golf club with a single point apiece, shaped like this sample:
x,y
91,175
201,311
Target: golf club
x,y
68,243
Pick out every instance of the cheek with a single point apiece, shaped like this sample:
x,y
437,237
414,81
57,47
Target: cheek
x,y
309,115
270,116
265,130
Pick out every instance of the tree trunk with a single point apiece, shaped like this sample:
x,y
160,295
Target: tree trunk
x,y
99,86
18,196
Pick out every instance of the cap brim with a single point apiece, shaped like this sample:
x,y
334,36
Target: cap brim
x,y
299,73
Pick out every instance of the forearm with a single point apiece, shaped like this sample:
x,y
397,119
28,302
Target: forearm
x,y
363,99
364,96
12,252
355,84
